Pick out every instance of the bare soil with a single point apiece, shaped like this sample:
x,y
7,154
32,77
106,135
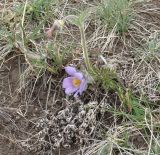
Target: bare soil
x,y
8,105
17,116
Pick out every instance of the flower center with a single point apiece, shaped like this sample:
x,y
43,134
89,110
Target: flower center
x,y
76,82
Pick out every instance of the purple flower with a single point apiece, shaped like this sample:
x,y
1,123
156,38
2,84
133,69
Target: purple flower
x,y
75,83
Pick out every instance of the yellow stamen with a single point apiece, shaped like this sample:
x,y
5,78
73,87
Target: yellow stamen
x,y
76,82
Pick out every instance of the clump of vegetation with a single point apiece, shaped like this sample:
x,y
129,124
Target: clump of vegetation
x,y
36,10
151,48
116,14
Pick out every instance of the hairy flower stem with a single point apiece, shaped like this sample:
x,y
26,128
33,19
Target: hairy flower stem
x,y
84,48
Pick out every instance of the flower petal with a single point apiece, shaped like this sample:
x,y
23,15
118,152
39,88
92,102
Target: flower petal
x,y
70,70
70,90
67,82
78,75
82,86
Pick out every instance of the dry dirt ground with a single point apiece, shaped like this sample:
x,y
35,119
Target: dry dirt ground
x,y
13,123
9,81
